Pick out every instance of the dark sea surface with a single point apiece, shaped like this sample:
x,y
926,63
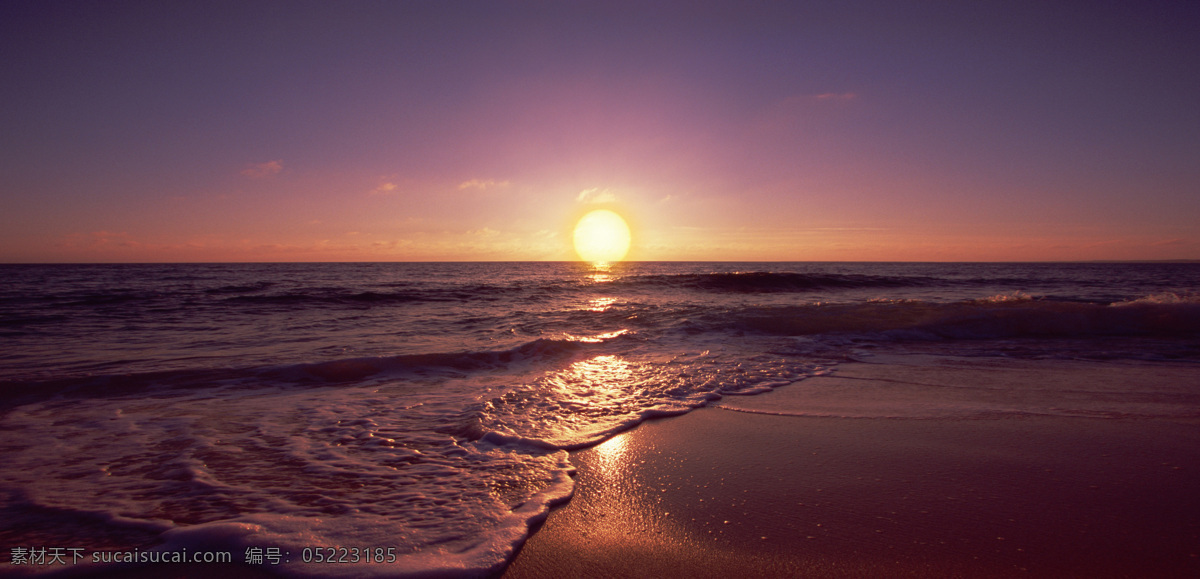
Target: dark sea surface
x,y
427,408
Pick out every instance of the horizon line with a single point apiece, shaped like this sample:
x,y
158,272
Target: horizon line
x,y
1185,260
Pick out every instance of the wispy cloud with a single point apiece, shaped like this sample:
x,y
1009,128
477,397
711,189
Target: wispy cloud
x,y
596,195
260,170
484,232
384,188
482,184
836,96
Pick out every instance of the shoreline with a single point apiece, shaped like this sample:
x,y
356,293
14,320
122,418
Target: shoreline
x,y
749,488
792,483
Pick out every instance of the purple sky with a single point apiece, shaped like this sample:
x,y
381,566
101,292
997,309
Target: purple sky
x,y
351,131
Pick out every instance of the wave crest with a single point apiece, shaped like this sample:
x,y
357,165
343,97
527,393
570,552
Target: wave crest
x,y
331,372
1006,316
772,282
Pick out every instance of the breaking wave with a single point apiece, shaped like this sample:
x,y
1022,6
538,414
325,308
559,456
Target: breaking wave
x,y
327,373
1002,316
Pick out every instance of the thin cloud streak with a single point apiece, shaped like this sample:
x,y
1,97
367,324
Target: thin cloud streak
x,y
260,170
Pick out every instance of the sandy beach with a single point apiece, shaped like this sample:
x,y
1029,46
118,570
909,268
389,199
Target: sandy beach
x,y
752,487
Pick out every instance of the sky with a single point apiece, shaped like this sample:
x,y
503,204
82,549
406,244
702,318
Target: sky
x,y
445,131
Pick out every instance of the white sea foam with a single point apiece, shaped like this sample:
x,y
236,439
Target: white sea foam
x,y
449,468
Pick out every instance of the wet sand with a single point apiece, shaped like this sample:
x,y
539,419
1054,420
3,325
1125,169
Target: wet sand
x,y
731,491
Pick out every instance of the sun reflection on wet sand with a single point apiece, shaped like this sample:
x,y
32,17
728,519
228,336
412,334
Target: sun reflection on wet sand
x,y
610,456
620,506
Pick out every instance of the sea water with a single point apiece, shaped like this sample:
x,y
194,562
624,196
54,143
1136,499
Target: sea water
x,y
414,418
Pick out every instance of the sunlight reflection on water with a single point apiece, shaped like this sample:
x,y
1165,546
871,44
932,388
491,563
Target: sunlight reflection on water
x,y
601,272
600,304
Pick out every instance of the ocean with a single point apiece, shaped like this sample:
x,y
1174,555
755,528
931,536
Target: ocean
x,y
415,418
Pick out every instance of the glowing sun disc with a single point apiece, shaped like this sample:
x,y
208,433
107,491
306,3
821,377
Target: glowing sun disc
x,y
601,235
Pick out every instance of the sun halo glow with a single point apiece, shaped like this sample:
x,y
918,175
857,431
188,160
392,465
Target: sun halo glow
x,y
602,236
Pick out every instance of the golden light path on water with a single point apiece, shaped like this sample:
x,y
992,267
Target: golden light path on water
x,y
600,305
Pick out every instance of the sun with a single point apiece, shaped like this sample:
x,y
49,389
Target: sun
x,y
602,236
